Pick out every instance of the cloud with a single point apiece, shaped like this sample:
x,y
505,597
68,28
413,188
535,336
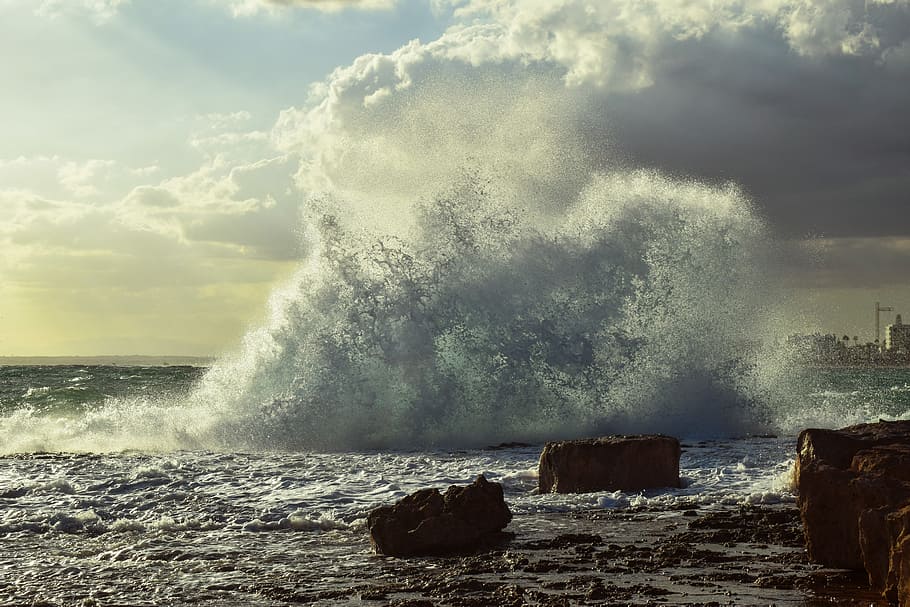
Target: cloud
x,y
252,208
818,143
853,262
229,138
100,11
151,196
596,41
253,7
754,91
79,178
226,120
223,213
851,28
235,144
103,11
618,44
100,180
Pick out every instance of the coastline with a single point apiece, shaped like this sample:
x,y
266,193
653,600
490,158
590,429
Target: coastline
x,y
730,555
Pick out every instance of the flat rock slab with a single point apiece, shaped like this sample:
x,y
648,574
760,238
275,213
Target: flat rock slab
x,y
611,463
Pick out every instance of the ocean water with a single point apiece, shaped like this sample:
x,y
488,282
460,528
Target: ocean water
x,y
222,526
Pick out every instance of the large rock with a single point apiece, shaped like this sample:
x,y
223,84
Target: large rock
x,y
839,475
613,463
854,500
838,447
890,461
899,571
831,501
885,540
875,542
428,523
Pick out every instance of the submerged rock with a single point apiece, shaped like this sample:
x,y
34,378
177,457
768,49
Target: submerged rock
x,y
430,523
612,463
854,501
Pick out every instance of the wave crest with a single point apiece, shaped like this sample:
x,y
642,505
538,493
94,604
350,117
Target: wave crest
x,y
636,310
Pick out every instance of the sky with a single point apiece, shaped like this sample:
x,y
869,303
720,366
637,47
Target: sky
x,y
155,154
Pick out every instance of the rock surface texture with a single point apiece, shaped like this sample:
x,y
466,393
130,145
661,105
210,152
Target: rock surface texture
x,y
613,463
854,501
430,523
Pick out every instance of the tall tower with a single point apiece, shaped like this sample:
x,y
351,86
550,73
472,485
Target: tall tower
x,y
878,309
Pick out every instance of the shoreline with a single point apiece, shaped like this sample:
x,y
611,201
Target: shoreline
x,y
729,555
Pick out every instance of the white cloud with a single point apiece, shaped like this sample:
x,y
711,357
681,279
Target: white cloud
x,y
229,137
248,209
243,8
99,180
103,11
595,40
99,10
225,120
839,27
248,144
225,209
80,178
151,196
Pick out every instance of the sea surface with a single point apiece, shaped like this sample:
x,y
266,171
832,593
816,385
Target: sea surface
x,y
140,526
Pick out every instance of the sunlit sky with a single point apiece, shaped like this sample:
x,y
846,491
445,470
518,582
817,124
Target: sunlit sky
x,y
154,153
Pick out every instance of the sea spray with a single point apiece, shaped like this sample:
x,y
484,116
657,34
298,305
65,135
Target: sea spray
x,y
639,309
644,306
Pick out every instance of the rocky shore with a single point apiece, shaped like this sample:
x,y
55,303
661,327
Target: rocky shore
x,y
727,556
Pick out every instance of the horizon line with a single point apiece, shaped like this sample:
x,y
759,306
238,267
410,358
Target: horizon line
x,y
151,359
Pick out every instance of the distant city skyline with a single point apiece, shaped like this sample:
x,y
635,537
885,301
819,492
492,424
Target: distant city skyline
x,y
849,314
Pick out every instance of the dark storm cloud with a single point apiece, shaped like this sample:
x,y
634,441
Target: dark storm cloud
x,y
821,143
867,263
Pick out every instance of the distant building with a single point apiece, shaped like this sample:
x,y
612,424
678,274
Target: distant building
x,y
897,336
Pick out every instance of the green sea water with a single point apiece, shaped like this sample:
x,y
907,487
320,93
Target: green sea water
x,y
73,389
827,397
855,394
